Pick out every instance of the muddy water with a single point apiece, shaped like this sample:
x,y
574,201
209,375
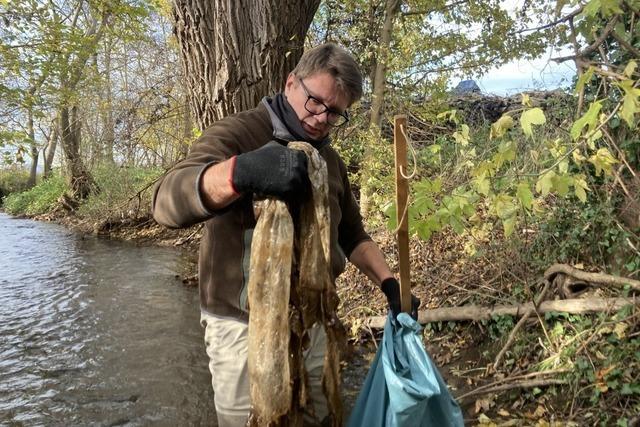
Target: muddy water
x,y
95,332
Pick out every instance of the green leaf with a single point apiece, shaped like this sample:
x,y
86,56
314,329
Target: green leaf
x,y
509,225
482,184
545,183
610,7
524,195
584,78
456,224
631,102
534,116
605,7
589,119
390,212
501,126
592,8
561,184
504,205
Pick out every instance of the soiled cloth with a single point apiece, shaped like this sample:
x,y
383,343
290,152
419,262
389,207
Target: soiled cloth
x,y
290,290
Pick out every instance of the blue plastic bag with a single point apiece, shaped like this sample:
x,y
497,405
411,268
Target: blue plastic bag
x,y
403,387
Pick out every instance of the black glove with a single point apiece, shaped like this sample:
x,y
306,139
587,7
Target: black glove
x,y
391,289
273,170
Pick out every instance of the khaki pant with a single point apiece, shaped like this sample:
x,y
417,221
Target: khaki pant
x,y
226,341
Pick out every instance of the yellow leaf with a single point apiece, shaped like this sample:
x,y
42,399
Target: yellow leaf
x,y
526,100
502,125
482,185
545,183
503,412
603,161
580,194
631,102
534,116
462,137
485,421
578,158
524,195
580,187
630,68
538,206
621,330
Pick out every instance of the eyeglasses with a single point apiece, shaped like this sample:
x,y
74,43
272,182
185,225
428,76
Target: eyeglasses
x,y
317,107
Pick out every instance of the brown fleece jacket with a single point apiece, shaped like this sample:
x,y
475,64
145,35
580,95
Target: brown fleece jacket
x,y
225,247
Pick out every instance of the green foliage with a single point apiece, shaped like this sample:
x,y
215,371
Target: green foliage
x,y
585,233
119,195
12,180
38,200
499,326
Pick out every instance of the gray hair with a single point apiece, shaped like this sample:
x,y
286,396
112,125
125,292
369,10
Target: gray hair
x,y
336,61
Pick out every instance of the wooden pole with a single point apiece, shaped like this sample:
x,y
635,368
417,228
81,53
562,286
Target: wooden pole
x,y
402,192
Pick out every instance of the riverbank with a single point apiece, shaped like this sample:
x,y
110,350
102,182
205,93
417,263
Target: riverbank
x,y
543,376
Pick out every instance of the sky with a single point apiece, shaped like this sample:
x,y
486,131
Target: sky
x,y
518,76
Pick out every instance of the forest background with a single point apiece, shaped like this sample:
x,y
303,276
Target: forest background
x,y
99,98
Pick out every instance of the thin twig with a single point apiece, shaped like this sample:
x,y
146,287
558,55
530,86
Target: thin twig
x,y
519,325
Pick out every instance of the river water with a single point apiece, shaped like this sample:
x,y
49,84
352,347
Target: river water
x,y
96,332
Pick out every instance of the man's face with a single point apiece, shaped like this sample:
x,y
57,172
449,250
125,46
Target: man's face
x,y
319,87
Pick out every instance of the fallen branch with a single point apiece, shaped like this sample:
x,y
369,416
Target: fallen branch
x,y
511,386
512,335
513,379
474,312
601,278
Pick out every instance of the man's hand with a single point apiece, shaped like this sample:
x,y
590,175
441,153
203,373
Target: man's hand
x,y
391,289
272,170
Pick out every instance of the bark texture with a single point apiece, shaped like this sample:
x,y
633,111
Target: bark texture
x,y
234,53
80,181
50,150
392,7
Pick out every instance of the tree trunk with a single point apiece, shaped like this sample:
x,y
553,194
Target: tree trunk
x,y
392,7
50,150
33,148
187,133
80,180
234,53
107,119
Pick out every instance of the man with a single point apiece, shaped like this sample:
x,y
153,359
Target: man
x,y
246,155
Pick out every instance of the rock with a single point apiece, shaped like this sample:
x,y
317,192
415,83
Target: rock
x,y
466,87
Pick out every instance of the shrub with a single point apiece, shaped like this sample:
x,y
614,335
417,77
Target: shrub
x,y
39,199
12,180
118,196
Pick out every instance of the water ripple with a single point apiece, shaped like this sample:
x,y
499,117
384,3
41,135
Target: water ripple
x,y
94,332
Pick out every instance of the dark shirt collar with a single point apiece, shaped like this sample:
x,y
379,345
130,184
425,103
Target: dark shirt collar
x,y
286,124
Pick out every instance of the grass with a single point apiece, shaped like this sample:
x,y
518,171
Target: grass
x,y
12,180
38,200
124,192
